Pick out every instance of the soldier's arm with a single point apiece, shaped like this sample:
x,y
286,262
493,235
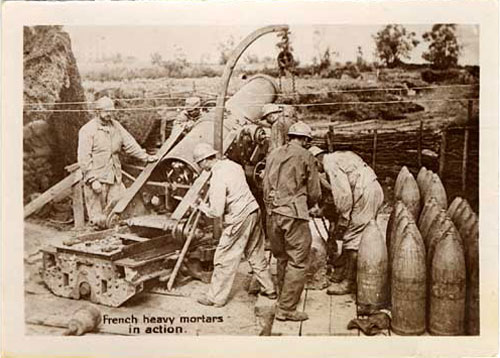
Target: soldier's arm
x,y
341,192
85,154
313,183
216,196
130,146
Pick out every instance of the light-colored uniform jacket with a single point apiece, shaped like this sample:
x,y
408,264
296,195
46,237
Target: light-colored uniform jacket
x,y
356,193
98,148
229,194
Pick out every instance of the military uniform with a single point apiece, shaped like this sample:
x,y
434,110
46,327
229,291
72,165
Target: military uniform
x,y
185,120
99,144
356,193
291,186
230,196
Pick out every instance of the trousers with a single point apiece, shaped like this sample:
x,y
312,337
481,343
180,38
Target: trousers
x,y
241,239
364,210
290,243
96,203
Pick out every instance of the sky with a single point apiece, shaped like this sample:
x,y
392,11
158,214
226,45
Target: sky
x,y
201,43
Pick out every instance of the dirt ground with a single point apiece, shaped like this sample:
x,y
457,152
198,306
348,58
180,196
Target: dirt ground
x,y
47,314
43,306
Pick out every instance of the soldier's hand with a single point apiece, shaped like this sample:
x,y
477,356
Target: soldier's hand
x,y
316,211
203,208
152,158
96,186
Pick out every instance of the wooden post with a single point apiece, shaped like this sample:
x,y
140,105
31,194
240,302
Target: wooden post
x,y
330,138
374,153
442,153
78,209
465,154
470,107
465,158
420,138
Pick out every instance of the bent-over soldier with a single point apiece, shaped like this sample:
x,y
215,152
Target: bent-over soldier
x,y
291,188
357,197
229,196
99,143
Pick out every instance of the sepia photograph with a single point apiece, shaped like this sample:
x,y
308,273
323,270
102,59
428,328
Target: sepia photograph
x,y
301,179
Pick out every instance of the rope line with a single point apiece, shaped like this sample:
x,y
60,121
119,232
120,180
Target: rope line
x,y
253,104
258,94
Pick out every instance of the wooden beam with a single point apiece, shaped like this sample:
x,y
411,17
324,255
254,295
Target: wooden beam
x,y
191,196
52,193
78,206
442,154
420,137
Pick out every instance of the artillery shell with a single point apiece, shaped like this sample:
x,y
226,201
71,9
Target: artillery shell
x,y
447,293
372,273
437,190
84,320
409,194
391,224
420,179
403,173
428,218
408,286
454,206
471,249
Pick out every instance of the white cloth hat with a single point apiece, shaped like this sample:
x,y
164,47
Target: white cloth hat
x,y
104,103
193,102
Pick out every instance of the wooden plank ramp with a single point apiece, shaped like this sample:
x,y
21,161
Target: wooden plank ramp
x,y
318,307
342,310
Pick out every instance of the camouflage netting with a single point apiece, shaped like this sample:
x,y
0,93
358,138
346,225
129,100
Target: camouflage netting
x,y
51,78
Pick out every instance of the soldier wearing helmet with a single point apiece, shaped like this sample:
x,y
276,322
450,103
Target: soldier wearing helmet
x,y
191,113
291,188
357,196
99,143
280,117
229,196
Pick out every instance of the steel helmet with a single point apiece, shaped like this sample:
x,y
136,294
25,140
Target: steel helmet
x,y
300,129
270,108
316,150
203,151
104,103
193,102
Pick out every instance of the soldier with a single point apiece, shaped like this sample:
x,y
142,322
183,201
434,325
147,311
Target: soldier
x,y
280,117
188,117
99,143
291,187
357,196
229,196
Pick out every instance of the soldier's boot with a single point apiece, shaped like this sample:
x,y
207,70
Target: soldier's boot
x,y
348,285
338,273
291,316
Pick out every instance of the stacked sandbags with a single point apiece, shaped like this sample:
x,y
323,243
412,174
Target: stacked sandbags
x,y
51,79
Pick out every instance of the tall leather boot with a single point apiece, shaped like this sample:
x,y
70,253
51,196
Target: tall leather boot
x,y
339,268
348,285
